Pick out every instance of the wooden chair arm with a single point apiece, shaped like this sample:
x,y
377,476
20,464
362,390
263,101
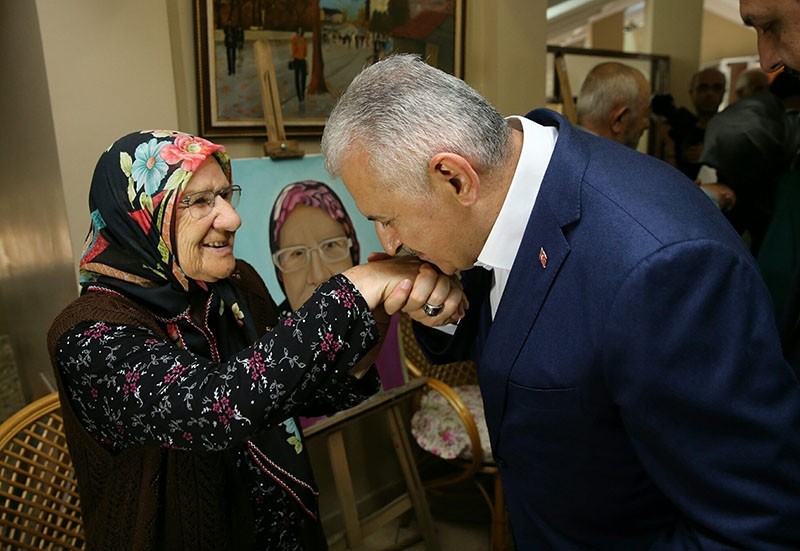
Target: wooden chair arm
x,y
472,465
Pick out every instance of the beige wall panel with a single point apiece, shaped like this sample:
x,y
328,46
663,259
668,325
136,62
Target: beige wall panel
x,y
109,72
36,275
723,38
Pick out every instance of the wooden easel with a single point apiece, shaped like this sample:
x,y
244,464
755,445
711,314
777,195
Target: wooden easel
x,y
568,108
276,146
359,525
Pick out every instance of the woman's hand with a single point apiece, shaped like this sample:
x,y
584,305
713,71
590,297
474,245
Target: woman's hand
x,y
433,289
405,283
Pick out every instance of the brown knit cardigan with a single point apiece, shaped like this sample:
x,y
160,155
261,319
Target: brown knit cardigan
x,y
149,497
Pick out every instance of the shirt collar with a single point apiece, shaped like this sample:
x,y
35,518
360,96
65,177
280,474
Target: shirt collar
x,y
505,238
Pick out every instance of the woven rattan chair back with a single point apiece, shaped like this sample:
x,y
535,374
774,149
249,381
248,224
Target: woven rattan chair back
x,y
39,504
453,374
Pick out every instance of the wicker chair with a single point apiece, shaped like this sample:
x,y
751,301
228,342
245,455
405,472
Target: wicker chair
x,y
39,504
442,378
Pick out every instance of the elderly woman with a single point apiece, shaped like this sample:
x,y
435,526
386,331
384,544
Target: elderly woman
x,y
178,381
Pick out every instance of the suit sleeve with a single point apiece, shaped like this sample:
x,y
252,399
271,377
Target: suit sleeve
x,y
710,405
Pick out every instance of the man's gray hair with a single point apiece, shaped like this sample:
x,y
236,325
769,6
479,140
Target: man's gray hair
x,y
401,112
608,85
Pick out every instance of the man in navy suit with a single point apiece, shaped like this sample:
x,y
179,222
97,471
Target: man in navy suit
x,y
634,388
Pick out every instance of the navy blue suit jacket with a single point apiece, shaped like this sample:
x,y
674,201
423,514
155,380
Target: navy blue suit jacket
x,y
635,391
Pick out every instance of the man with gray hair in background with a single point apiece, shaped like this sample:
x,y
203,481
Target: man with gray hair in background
x,y
750,82
614,102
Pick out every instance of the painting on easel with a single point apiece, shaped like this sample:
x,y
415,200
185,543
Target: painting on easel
x,y
317,46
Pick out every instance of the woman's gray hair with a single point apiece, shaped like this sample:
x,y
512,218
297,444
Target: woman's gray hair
x,y
401,112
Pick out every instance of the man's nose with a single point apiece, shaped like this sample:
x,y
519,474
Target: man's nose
x,y
389,240
768,56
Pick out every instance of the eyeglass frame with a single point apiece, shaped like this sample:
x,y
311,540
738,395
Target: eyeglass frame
x,y
234,190
309,250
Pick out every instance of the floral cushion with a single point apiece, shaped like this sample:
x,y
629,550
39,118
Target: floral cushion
x,y
438,429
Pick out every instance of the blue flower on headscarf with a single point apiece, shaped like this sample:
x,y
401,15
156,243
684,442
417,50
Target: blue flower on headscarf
x,y
149,168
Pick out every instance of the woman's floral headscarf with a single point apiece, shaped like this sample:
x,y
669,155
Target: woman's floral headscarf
x,y
131,247
311,194
132,200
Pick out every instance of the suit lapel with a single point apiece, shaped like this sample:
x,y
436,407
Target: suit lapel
x,y
543,251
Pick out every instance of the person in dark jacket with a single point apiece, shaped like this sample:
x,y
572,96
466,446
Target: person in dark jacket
x,y
628,359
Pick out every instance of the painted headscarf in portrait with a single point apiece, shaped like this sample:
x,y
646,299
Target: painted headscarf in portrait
x,y
312,194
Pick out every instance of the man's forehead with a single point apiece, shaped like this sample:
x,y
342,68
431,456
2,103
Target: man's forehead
x,y
706,76
368,200
754,12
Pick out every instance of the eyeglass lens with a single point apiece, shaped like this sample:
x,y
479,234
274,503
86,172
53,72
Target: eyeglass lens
x,y
295,258
202,203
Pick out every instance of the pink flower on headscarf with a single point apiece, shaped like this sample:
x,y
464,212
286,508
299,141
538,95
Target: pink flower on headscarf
x,y
190,150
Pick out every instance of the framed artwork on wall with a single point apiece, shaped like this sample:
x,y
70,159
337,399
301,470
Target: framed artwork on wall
x,y
317,46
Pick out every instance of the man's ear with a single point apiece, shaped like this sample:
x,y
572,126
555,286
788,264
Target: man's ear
x,y
617,117
456,176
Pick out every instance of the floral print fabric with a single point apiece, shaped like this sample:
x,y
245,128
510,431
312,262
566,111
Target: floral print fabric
x,y
129,388
132,201
438,429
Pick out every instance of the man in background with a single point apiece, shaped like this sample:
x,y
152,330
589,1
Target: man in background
x,y
777,25
707,88
614,102
750,82
744,149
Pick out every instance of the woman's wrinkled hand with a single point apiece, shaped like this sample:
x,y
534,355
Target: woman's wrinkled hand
x,y
405,283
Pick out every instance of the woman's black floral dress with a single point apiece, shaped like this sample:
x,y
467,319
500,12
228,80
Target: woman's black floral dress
x,y
129,388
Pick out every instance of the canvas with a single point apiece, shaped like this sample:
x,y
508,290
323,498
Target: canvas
x,y
262,180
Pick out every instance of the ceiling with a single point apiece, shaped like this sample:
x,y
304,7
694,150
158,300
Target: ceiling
x,y
567,20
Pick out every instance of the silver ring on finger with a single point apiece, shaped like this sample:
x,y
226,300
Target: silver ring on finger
x,y
432,310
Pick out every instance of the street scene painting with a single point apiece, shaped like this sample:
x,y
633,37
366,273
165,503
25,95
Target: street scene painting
x,y
317,46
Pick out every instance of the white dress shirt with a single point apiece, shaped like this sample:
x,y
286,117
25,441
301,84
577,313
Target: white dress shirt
x,y
501,247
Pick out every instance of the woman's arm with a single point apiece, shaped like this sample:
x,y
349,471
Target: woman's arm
x,y
130,388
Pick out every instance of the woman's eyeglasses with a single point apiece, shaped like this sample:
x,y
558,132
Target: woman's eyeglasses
x,y
291,259
201,204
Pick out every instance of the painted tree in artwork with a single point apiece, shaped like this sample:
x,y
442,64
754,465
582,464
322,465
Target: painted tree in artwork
x,y
317,84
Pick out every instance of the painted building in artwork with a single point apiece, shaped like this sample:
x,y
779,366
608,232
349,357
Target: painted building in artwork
x,y
431,34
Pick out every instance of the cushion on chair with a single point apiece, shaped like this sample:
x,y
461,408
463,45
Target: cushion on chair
x,y
438,429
